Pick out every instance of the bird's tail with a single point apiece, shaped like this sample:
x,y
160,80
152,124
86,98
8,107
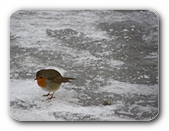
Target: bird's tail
x,y
66,79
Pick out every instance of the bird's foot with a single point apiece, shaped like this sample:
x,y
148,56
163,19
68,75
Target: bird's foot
x,y
47,94
50,98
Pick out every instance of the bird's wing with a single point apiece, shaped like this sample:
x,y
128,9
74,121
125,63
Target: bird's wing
x,y
54,76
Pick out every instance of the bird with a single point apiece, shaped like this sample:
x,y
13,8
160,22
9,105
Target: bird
x,y
50,80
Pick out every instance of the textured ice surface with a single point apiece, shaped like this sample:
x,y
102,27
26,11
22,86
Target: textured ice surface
x,y
112,54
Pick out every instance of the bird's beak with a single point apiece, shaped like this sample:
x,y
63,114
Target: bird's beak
x,y
35,79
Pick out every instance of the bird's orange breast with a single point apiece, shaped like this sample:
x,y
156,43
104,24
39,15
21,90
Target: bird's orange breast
x,y
41,81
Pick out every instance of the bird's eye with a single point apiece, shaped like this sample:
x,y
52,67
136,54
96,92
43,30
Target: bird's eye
x,y
41,77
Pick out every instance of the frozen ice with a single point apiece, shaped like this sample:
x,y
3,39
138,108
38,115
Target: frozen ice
x,y
112,54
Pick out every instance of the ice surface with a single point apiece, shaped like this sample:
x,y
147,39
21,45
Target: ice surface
x,y
28,104
112,54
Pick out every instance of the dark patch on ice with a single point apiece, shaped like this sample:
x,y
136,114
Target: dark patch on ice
x,y
133,107
97,99
61,34
68,116
20,104
131,47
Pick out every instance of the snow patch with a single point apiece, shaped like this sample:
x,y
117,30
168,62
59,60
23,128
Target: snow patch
x,y
125,88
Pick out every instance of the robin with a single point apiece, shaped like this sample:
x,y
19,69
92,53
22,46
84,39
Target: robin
x,y
50,80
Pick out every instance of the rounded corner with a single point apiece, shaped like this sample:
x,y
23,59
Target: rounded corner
x,y
155,117
14,13
155,13
12,117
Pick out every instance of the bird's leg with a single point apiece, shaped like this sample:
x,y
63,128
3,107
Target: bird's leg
x,y
51,96
46,94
